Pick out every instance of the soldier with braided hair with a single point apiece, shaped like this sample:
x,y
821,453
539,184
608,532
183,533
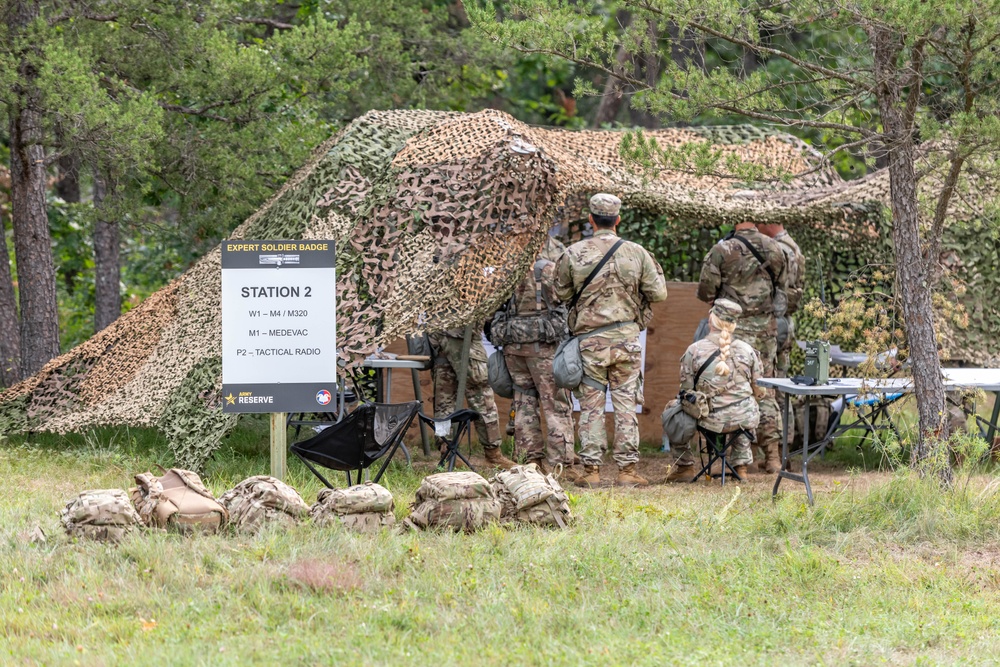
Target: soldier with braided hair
x,y
730,385
749,268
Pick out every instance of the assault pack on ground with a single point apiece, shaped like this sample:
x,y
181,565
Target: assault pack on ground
x,y
456,500
527,495
261,499
100,514
363,507
177,501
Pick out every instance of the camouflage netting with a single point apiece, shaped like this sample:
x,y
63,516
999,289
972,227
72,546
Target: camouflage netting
x,y
436,216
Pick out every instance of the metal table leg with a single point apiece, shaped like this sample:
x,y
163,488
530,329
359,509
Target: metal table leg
x,y
786,474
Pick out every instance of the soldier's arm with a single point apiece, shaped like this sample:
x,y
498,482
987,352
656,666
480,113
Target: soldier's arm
x,y
687,373
711,277
795,291
564,278
653,285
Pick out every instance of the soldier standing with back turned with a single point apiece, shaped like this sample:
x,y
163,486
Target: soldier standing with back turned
x,y
607,317
795,267
749,268
529,330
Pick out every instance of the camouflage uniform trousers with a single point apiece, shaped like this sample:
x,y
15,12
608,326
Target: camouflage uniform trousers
x,y
760,333
535,372
615,362
477,388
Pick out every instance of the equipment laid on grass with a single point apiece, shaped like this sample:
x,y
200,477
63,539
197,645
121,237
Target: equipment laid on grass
x,y
177,501
527,495
364,507
101,514
371,432
262,499
456,500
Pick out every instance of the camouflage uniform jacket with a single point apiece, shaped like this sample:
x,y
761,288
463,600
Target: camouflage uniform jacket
x,y
730,397
731,271
795,266
623,290
526,301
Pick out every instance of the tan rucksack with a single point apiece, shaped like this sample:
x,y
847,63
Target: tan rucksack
x,y
363,507
177,501
101,514
527,495
456,500
260,499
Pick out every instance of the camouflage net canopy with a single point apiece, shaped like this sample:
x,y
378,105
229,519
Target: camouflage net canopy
x,y
436,217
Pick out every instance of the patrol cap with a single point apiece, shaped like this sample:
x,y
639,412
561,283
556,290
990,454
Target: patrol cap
x,y
726,310
604,204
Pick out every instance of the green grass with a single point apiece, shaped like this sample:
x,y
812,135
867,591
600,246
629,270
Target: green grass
x,y
884,569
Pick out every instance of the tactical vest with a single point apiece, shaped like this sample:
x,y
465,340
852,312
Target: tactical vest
x,y
545,324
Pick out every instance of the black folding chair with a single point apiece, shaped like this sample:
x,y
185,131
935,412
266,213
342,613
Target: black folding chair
x,y
443,429
371,432
718,445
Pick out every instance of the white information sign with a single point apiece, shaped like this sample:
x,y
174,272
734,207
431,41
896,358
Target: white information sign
x,y
576,404
279,323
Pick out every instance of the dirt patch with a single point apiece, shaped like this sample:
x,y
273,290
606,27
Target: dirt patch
x,y
323,576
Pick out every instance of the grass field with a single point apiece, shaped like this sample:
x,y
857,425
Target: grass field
x,y
884,569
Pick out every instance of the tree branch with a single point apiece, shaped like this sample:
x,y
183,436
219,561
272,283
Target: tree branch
x,y
271,23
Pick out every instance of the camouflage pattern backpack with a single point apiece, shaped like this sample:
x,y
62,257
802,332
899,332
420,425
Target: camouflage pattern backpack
x,y
102,514
456,500
178,501
364,507
529,496
261,499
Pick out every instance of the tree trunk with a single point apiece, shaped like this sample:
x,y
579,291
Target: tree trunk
x,y
36,275
107,269
68,185
10,338
912,276
613,96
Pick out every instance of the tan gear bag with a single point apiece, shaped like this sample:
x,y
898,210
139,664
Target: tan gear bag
x,y
100,514
528,496
177,501
456,500
261,499
363,507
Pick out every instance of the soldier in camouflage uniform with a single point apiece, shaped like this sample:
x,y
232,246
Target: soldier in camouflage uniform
x,y
447,357
730,383
795,267
732,271
534,325
607,318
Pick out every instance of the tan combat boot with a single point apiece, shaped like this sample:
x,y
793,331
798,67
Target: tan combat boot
x,y
540,464
628,476
680,474
495,457
772,464
570,474
591,478
741,471
754,468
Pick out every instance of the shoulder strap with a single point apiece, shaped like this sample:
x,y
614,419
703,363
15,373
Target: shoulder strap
x,y
760,258
704,367
593,274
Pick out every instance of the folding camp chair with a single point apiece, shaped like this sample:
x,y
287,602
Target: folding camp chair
x,y
718,446
371,432
873,415
462,419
